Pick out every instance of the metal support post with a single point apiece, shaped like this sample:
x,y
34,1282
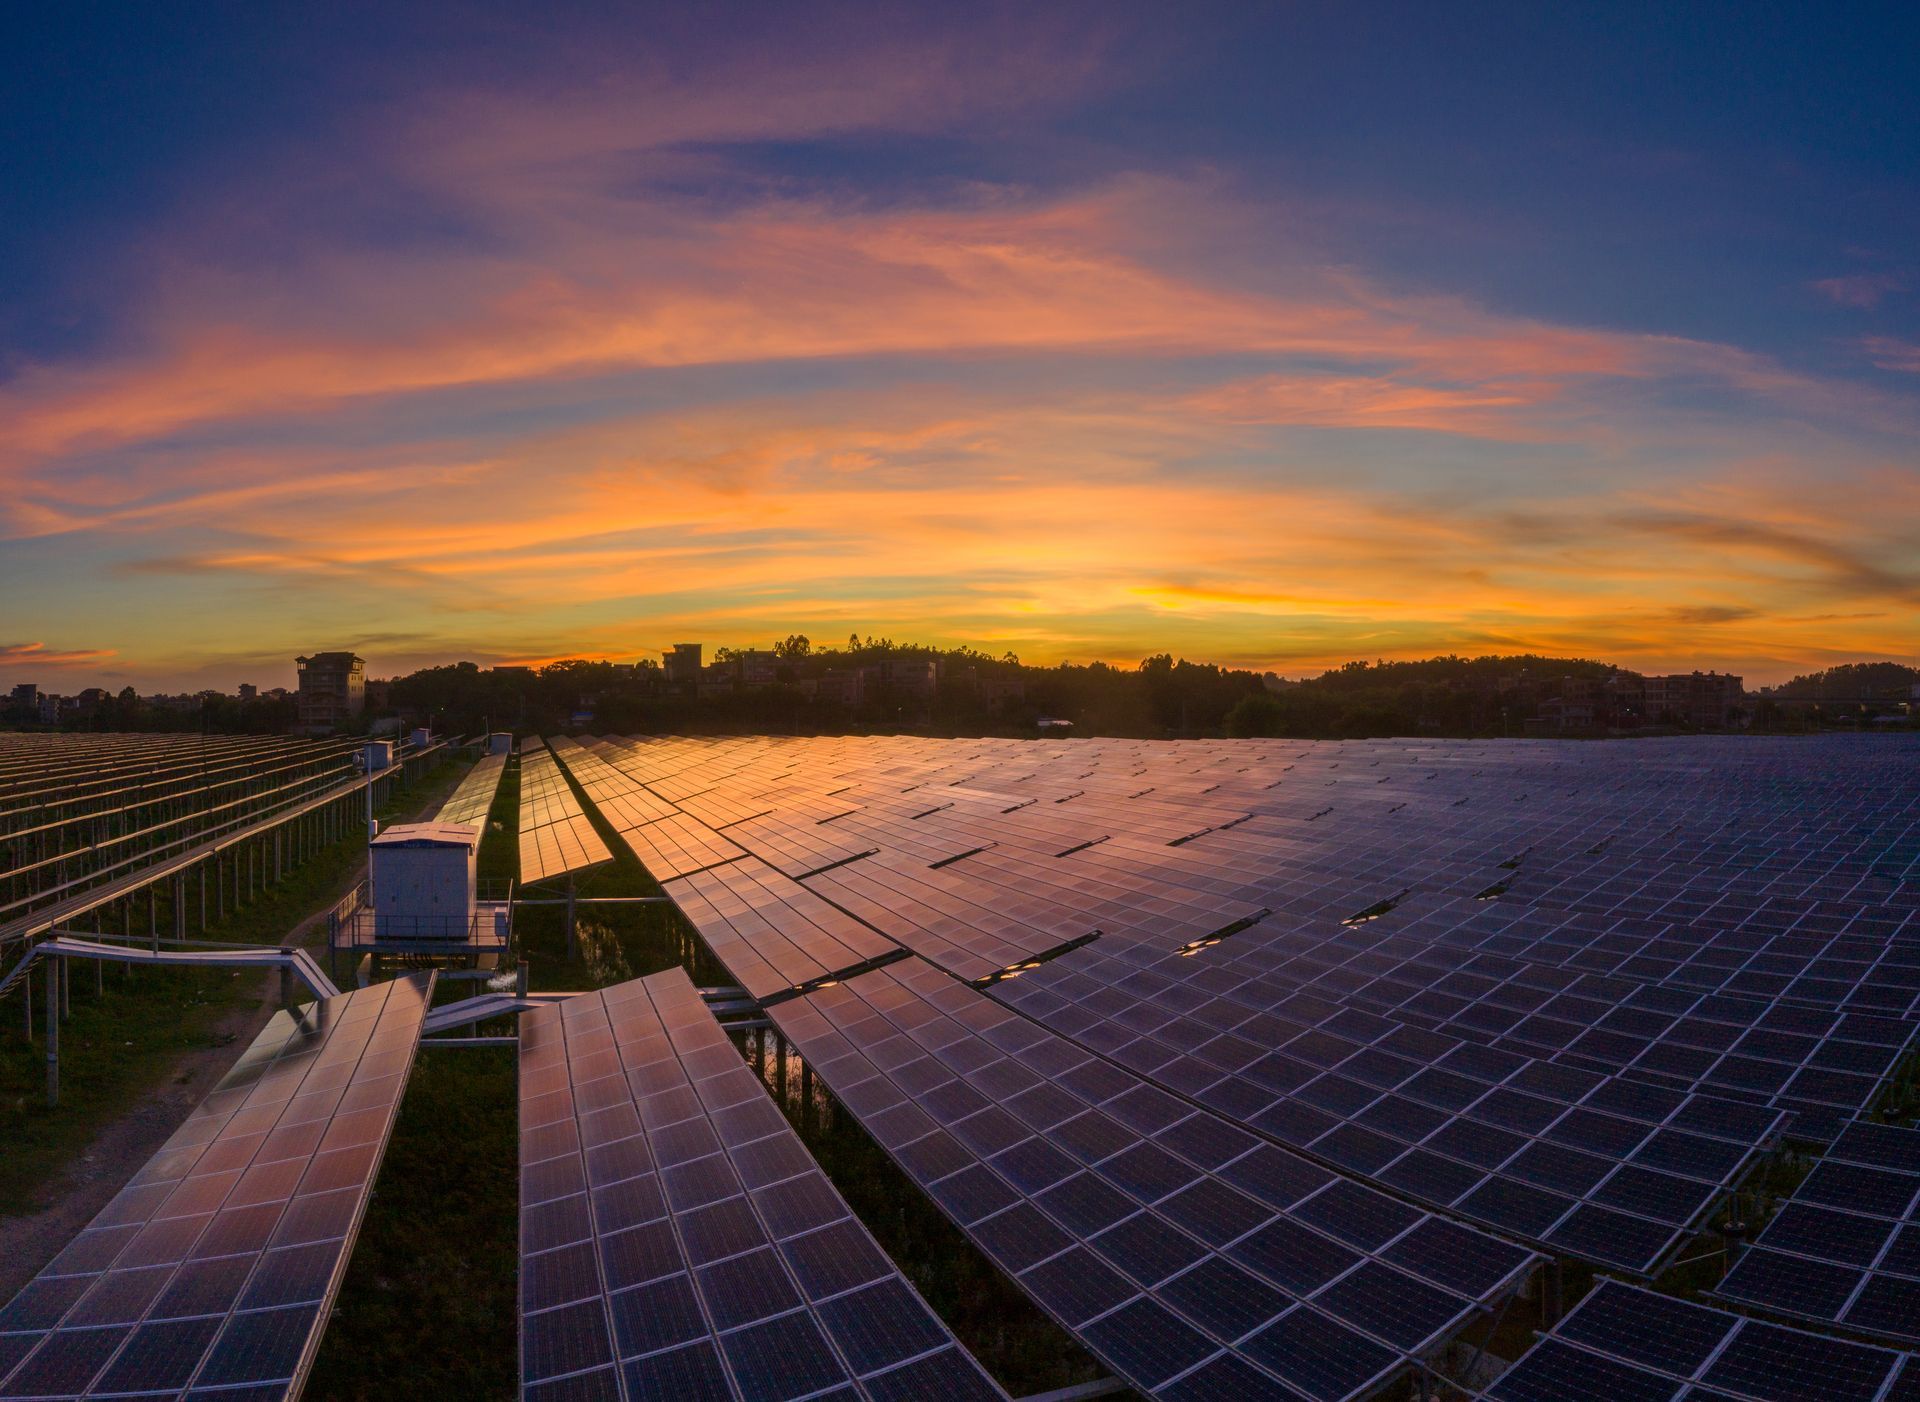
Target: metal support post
x,y
570,929
520,979
53,1036
286,977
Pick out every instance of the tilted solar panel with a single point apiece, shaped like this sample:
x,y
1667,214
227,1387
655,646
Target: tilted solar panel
x,y
1845,1249
1194,1259
473,799
1624,1343
212,1273
556,837
678,1242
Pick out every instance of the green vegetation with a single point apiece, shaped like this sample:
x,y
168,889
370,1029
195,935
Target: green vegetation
x,y
1853,681
127,1029
429,1306
961,691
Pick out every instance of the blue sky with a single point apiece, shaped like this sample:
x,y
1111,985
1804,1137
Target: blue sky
x,y
1268,334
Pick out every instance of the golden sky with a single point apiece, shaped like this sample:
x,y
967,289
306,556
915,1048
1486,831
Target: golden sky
x,y
895,337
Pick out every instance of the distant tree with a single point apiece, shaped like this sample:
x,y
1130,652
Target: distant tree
x,y
1256,714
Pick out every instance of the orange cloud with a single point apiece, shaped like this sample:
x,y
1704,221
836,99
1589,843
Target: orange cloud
x,y
39,655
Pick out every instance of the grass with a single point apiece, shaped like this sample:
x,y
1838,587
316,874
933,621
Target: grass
x,y
113,1050
129,1026
429,1305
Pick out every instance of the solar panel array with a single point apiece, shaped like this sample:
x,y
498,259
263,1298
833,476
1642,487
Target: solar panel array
x,y
1630,1345
556,837
1846,1248
78,812
212,1273
1194,1258
473,799
1606,1169
1568,992
678,1242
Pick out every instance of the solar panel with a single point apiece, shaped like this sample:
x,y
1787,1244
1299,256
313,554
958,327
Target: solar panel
x,y
677,1240
1845,1249
1567,991
473,799
1627,1343
1173,1244
773,934
1568,1159
215,1267
556,837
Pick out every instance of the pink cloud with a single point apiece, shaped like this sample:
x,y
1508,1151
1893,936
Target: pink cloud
x,y
1860,290
1892,354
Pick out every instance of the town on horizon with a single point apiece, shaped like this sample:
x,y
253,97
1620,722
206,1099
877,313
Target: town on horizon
x,y
876,682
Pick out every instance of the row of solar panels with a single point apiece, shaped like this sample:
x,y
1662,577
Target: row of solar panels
x,y
556,837
1517,1117
1616,1173
473,799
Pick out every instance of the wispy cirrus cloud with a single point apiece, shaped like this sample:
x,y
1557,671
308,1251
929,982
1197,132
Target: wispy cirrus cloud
x,y
39,655
1861,291
1891,353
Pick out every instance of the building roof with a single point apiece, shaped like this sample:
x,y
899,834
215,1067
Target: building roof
x,y
429,835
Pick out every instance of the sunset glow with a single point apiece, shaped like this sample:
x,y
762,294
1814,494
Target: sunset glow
x,y
1083,337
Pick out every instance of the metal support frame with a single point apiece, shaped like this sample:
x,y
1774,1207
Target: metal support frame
x,y
53,1032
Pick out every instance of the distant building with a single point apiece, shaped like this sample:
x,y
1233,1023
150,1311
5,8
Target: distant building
x,y
901,676
249,692
841,686
26,696
380,695
1702,700
756,667
683,663
333,688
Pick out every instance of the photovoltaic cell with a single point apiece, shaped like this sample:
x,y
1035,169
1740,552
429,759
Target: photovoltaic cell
x,y
1567,991
556,836
1845,1249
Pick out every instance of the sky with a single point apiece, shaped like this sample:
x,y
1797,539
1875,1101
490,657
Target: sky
x,y
1271,335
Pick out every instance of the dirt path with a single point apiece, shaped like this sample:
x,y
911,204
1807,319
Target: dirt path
x,y
87,1184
